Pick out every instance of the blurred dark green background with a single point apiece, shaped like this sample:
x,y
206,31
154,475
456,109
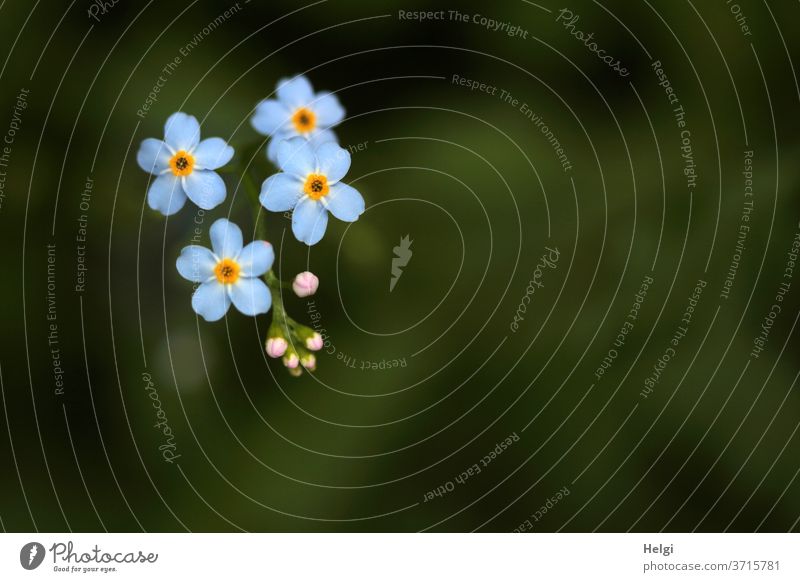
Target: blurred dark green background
x,y
480,190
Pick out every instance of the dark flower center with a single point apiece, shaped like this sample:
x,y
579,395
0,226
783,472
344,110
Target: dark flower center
x,y
316,186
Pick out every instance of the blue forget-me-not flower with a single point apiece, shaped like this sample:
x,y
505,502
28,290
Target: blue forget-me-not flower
x,y
229,273
297,112
184,166
310,185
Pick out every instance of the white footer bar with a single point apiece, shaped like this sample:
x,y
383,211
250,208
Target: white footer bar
x,y
396,557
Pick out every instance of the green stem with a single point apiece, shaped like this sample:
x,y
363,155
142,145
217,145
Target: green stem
x,y
274,284
252,193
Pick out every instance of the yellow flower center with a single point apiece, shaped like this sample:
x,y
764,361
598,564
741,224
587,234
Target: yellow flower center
x,y
227,271
316,186
182,163
304,120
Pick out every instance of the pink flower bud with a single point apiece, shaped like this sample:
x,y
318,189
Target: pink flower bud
x,y
305,284
309,362
276,347
315,342
291,361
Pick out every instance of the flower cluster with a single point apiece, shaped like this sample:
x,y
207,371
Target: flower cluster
x,y
302,144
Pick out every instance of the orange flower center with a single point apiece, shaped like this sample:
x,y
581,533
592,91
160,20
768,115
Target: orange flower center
x,y
182,163
304,120
316,186
227,271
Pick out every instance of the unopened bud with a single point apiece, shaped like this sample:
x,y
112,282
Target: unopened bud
x,y
309,362
276,347
291,360
314,343
305,284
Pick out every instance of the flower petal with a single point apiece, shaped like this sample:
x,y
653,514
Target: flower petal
x,y
280,192
166,194
271,117
327,108
309,221
153,156
210,301
316,138
296,157
212,153
182,132
226,239
196,263
256,258
205,188
333,160
295,92
345,202
250,296
272,147
321,136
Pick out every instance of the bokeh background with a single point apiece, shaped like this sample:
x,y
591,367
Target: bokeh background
x,y
478,187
